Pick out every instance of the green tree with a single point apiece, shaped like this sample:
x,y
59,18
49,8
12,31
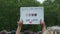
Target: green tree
x,y
10,13
52,12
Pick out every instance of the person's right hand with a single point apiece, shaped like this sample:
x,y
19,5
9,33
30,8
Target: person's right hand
x,y
20,23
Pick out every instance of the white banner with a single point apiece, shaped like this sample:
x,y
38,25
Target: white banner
x,y
31,15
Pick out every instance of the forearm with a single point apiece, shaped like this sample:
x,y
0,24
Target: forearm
x,y
44,28
18,30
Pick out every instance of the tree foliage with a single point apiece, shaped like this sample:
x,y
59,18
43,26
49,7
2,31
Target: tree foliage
x,y
52,12
10,13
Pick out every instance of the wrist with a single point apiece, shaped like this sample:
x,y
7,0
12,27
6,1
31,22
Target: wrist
x,y
43,25
19,26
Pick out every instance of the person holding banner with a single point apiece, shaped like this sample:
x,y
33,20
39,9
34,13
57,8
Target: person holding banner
x,y
20,23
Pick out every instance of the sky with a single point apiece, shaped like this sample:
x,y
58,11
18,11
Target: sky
x,y
41,1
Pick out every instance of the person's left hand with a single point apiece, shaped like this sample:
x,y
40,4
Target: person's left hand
x,y
42,23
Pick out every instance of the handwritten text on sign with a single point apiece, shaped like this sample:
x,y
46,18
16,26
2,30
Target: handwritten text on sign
x,y
31,15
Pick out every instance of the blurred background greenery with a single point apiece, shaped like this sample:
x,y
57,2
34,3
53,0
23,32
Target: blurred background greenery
x,y
10,13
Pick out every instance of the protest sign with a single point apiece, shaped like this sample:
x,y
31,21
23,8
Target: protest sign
x,y
31,15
